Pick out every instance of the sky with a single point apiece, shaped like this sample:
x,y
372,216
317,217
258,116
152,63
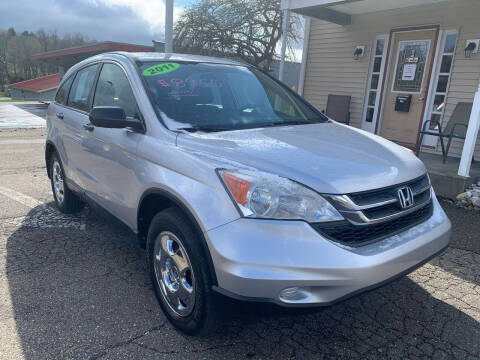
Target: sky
x,y
130,21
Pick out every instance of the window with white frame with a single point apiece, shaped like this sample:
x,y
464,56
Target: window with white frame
x,y
375,79
442,79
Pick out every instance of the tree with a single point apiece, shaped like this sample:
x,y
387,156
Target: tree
x,y
3,60
20,50
16,52
245,29
5,36
11,32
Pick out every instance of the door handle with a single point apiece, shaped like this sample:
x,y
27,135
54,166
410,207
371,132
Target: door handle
x,y
60,115
88,127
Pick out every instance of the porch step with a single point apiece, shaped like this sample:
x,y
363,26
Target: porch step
x,y
444,177
449,186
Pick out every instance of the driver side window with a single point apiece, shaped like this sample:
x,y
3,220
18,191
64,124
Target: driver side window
x,y
113,89
82,88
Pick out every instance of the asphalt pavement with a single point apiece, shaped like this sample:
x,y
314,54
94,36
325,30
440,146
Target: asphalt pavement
x,y
15,115
75,287
34,108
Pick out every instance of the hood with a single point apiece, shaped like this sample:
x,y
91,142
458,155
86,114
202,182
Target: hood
x,y
328,157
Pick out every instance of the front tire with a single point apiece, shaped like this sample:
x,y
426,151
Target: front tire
x,y
180,276
67,202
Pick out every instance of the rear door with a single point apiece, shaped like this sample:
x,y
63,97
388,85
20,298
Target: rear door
x,y
73,115
111,153
56,116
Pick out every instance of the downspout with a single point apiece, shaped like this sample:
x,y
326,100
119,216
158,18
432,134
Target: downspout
x,y
303,67
471,137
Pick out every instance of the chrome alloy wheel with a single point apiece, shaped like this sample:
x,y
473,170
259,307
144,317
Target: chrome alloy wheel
x,y
58,182
174,273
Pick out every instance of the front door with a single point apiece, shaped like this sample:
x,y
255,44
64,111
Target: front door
x,y
412,57
112,159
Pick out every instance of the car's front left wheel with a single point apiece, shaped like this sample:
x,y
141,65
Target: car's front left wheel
x,y
179,273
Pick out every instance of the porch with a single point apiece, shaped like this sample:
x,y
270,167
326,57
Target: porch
x,y
351,47
444,177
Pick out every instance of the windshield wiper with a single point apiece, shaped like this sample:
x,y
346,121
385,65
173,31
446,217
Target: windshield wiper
x,y
285,123
196,128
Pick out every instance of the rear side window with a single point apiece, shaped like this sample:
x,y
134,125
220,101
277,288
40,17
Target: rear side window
x,y
113,89
62,93
81,88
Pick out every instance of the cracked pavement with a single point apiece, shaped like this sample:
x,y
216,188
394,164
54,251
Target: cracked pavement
x,y
75,287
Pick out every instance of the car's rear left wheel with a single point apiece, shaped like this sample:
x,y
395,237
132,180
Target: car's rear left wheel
x,y
67,202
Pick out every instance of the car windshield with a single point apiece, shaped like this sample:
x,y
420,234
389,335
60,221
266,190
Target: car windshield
x,y
217,97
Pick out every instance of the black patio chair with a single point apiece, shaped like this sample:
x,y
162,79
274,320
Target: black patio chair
x,y
338,108
456,128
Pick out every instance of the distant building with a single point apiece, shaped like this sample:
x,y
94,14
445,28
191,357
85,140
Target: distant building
x,y
45,87
41,89
66,58
158,46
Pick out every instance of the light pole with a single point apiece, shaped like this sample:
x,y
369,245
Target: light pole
x,y
470,137
168,26
285,25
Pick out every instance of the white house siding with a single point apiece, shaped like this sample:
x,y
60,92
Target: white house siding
x,y
330,67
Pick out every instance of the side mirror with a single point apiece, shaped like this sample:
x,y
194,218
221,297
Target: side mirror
x,y
112,117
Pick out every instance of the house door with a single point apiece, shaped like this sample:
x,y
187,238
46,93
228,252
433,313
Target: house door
x,y
407,85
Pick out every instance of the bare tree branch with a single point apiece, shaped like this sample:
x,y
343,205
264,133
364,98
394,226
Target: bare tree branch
x,y
244,29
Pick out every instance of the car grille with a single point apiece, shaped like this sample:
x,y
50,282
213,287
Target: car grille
x,y
374,215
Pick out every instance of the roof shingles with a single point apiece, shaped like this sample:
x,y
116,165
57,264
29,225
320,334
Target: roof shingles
x,y
38,84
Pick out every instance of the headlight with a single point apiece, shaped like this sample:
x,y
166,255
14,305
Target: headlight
x,y
409,150
267,196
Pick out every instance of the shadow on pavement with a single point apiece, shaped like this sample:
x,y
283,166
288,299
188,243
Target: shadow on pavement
x,y
463,257
79,290
464,222
39,109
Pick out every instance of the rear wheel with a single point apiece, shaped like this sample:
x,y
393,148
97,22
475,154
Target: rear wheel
x,y
180,276
65,199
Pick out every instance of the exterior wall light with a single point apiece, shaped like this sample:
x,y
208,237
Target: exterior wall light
x,y
359,52
471,48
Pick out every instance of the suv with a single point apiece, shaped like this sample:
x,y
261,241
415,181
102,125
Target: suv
x,y
236,184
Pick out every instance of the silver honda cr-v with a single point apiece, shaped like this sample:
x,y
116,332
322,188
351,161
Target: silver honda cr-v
x,y
236,184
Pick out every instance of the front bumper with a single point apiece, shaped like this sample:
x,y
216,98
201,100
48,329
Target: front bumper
x,y
289,263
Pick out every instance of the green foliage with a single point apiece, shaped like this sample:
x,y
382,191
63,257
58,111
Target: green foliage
x,y
11,101
16,52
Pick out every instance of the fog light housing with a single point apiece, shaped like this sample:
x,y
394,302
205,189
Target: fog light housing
x,y
292,294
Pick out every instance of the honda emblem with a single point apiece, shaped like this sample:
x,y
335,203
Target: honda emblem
x,y
405,197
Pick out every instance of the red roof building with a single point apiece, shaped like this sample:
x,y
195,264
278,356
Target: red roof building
x,y
69,57
39,84
44,88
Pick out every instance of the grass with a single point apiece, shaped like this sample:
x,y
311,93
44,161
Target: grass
x,y
11,100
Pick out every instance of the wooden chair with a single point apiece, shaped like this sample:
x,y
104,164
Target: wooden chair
x,y
456,128
338,108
